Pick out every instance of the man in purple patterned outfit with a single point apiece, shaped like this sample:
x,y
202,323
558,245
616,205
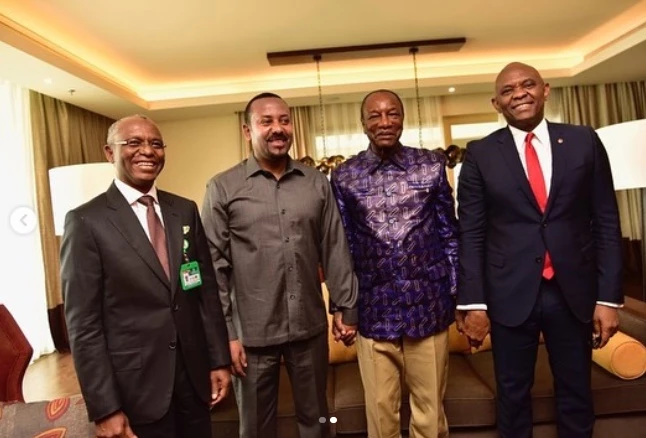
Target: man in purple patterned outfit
x,y
399,216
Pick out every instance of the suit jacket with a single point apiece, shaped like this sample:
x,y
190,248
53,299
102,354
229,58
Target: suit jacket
x,y
504,234
123,315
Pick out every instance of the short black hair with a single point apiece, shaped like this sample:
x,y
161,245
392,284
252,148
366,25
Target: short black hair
x,y
247,109
382,90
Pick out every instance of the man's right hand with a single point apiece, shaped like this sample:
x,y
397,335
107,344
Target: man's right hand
x,y
238,358
474,324
114,426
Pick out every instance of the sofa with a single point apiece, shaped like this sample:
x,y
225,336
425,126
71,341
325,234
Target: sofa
x,y
620,404
15,354
64,417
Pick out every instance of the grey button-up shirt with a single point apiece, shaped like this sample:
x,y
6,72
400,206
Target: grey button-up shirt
x,y
267,239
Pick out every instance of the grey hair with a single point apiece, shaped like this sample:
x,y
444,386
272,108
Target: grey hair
x,y
114,128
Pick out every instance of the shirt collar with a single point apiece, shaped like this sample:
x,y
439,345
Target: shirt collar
x,y
541,133
374,160
253,168
131,194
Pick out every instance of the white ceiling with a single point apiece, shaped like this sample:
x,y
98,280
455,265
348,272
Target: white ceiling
x,y
197,57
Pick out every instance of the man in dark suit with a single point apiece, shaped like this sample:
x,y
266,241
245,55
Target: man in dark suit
x,y
539,252
145,323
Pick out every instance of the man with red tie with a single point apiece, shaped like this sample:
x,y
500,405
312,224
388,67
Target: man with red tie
x,y
539,252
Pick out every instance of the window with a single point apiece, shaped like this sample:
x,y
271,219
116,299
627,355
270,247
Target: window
x,y
344,134
459,130
470,131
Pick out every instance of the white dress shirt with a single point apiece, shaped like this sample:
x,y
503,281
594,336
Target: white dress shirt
x,y
543,147
132,196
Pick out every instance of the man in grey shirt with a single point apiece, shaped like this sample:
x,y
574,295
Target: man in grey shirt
x,y
271,222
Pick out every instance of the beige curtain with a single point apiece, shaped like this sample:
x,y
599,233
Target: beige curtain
x,y
431,123
554,106
303,144
303,132
602,105
338,131
344,133
63,134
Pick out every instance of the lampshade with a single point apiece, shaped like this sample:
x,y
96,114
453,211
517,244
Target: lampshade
x,y
626,146
71,186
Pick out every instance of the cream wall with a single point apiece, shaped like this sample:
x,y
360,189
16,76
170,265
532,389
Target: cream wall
x,y
200,148
197,150
462,104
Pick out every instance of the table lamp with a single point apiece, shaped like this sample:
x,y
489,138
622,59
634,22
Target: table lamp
x,y
626,146
71,186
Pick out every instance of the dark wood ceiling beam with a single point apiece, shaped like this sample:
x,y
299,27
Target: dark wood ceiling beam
x,y
365,51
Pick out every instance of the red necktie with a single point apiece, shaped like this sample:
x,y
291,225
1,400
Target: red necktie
x,y
157,233
537,183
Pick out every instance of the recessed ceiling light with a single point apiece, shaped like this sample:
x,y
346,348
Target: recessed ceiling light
x,y
451,89
49,81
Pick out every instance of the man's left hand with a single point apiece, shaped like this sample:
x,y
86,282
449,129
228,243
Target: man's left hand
x,y
606,322
220,381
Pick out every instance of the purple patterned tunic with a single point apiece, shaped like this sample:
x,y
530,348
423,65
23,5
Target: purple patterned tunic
x,y
400,222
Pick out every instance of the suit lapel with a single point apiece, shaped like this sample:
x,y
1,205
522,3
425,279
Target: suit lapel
x,y
559,163
126,222
174,238
509,152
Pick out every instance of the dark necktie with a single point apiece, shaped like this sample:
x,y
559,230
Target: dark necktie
x,y
537,183
157,233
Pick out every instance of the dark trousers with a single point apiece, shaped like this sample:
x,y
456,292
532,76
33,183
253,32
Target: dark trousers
x,y
188,415
257,393
569,345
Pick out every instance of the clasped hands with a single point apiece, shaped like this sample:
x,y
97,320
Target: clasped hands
x,y
342,332
474,324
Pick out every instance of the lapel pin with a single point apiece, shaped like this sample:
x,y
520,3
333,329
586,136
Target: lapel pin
x,y
560,140
186,229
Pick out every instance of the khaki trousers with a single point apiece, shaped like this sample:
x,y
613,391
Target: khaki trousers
x,y
423,365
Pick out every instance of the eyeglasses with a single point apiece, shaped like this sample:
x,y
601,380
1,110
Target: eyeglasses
x,y
137,143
